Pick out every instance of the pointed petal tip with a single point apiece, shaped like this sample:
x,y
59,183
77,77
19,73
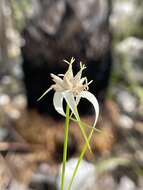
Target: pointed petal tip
x,y
38,99
90,82
49,89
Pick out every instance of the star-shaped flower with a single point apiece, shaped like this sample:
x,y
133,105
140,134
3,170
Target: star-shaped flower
x,y
71,88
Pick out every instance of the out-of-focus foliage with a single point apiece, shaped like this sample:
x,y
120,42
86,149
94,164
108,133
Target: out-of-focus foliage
x,y
21,10
127,18
126,23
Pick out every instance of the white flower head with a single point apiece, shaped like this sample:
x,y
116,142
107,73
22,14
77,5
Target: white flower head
x,y
72,88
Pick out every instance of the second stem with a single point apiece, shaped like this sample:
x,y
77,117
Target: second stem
x,y
65,146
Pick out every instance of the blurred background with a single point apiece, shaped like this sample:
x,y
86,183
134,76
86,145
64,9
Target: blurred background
x,y
35,36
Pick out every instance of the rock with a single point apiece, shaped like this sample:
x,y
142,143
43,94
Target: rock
x,y
130,55
131,46
14,43
16,71
125,122
19,102
3,133
14,185
126,183
12,113
6,80
140,183
139,127
85,178
127,101
44,177
123,13
139,155
10,85
140,112
4,102
4,99
106,181
122,10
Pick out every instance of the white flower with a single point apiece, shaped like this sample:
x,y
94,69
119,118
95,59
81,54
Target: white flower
x,y
72,89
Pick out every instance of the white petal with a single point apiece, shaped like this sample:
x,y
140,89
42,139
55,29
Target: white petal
x,y
77,100
91,98
69,74
82,80
69,97
78,76
57,79
58,103
51,87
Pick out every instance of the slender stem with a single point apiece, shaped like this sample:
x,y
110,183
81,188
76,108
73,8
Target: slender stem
x,y
82,129
85,125
65,146
80,158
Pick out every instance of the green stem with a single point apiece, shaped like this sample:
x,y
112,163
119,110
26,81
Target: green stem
x,y
80,158
65,147
82,128
85,125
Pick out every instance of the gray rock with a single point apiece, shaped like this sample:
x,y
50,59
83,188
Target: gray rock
x,y
11,85
131,46
4,99
85,178
140,183
126,17
140,111
130,53
106,181
122,10
3,133
14,185
127,101
126,183
139,155
19,102
44,178
126,122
